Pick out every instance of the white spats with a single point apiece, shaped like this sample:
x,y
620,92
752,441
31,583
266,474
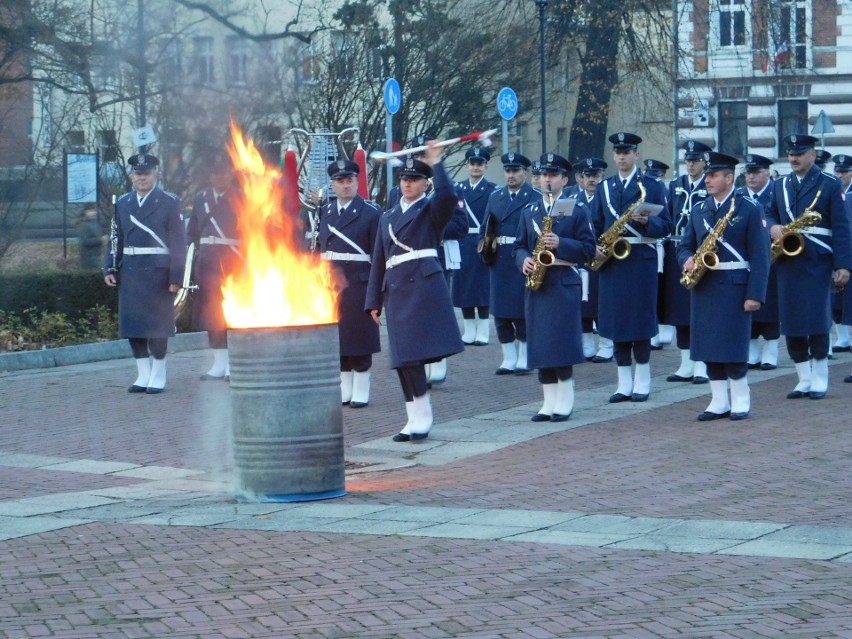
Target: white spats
x,y
143,372
564,404
360,389
483,332
549,391
522,356
625,381
157,381
469,335
422,415
642,379
346,379
740,396
719,403
510,357
803,371
819,375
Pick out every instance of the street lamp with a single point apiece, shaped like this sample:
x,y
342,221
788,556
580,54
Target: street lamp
x,y
542,5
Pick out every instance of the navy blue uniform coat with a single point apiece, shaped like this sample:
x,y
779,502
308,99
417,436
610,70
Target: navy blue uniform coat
x,y
720,329
212,261
768,312
589,308
627,308
554,326
674,298
359,334
804,281
145,305
421,322
507,285
470,282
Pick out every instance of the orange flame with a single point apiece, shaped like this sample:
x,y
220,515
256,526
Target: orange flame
x,y
279,283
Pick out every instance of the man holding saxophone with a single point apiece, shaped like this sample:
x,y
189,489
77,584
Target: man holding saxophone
x,y
546,235
809,213
725,257
627,301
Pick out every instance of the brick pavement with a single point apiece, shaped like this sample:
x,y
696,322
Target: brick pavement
x,y
110,578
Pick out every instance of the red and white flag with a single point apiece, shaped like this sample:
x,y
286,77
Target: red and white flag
x,y
781,58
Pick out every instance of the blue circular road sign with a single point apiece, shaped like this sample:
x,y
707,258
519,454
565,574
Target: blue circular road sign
x,y
507,103
393,96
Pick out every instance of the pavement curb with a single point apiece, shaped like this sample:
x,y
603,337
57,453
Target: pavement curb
x,y
84,353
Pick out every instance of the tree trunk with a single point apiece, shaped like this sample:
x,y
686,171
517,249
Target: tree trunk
x,y
598,77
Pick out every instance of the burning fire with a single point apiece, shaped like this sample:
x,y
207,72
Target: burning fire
x,y
279,284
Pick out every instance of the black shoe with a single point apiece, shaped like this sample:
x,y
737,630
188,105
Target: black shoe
x,y
467,343
556,417
357,404
768,367
345,403
754,366
848,379
841,349
678,378
597,359
505,371
700,380
154,391
707,416
211,378
735,417
401,437
136,389
540,417
797,394
639,397
619,397
418,436
656,348
480,343
816,394
522,371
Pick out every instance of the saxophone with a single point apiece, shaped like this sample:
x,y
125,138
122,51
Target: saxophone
x,y
611,242
542,257
705,257
792,241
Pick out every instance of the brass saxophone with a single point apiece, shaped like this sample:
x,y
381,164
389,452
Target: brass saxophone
x,y
705,257
542,257
792,242
611,242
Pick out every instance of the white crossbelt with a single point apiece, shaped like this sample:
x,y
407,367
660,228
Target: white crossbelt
x,y
224,241
411,255
505,239
816,230
144,250
638,240
730,266
344,257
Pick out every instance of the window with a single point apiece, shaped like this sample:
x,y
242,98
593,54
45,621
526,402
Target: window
x,y
562,140
521,127
237,68
791,35
76,141
732,23
203,60
792,119
378,69
309,71
343,53
733,128
108,146
270,144
172,65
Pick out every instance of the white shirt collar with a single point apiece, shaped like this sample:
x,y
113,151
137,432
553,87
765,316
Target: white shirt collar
x,y
405,206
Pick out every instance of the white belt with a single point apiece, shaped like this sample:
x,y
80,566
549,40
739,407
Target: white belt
x,y
225,241
411,255
816,230
730,266
473,231
345,257
139,250
639,240
505,239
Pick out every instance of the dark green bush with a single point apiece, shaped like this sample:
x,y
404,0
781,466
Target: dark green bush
x,y
71,293
34,329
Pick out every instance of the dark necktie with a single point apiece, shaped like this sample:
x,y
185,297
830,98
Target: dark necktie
x,y
624,183
512,196
691,187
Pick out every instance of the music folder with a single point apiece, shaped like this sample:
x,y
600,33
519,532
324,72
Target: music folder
x,y
563,207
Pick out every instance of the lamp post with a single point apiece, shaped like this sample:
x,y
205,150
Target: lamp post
x,y
542,5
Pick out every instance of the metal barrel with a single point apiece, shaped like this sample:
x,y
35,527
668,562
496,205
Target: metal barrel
x,y
286,416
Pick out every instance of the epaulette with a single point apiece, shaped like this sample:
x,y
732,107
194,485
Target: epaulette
x,y
125,196
171,195
499,187
831,175
742,193
372,204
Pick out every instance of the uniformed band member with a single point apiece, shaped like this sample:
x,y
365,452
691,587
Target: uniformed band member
x,y
213,230
406,279
470,284
627,312
590,172
418,140
347,234
535,175
805,280
553,311
822,158
685,192
656,168
842,305
764,321
145,260
507,285
726,296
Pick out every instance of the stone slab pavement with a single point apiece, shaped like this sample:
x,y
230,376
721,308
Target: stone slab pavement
x,y
117,518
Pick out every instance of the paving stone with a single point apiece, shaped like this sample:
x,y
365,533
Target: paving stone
x,y
21,460
158,472
51,504
468,531
368,527
743,530
569,538
335,510
16,527
768,548
674,544
526,518
92,466
834,535
421,513
615,525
